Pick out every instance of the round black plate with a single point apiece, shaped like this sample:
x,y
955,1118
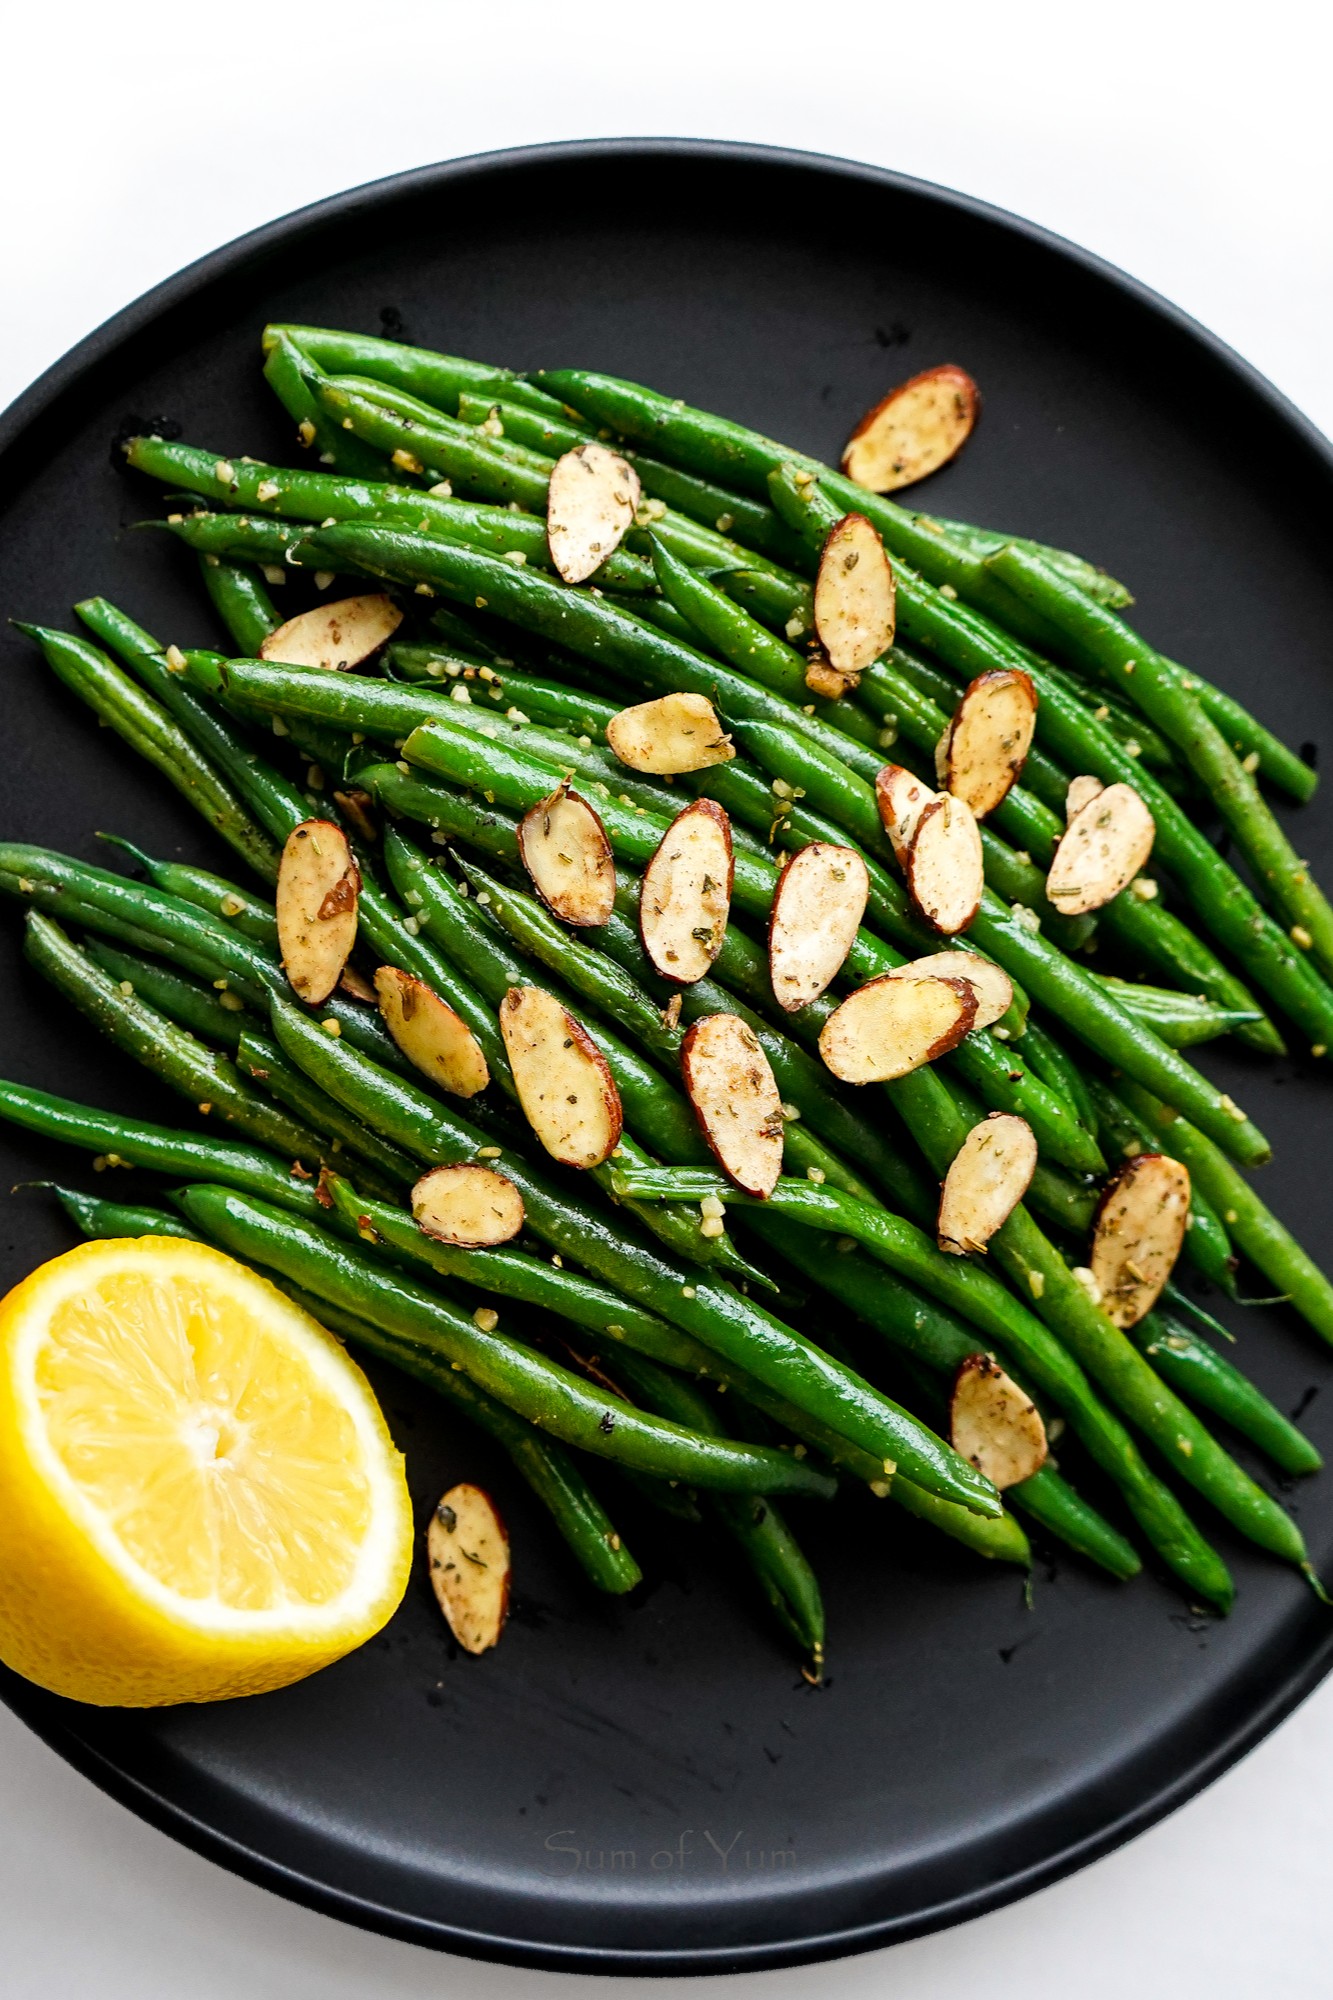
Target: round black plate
x,y
652,1786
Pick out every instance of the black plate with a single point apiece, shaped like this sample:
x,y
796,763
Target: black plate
x,y
652,1787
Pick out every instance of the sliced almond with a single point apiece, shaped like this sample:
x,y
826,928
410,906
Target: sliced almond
x,y
731,1085
944,867
475,1207
986,1181
355,985
985,747
686,893
590,505
815,914
917,428
890,1026
334,636
854,596
319,887
564,1084
994,1424
1137,1235
901,799
990,982
1082,791
468,1552
1102,849
563,846
678,732
430,1034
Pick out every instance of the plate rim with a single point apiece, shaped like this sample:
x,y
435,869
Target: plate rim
x,y
33,1707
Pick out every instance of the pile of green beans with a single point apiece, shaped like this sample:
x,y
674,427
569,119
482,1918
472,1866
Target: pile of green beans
x,y
501,683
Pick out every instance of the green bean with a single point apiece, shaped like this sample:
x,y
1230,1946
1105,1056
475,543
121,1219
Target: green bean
x,y
108,1220
1042,1358
319,497
1113,1363
605,981
258,1057
984,542
183,1001
1181,1019
587,625
752,523
766,1543
738,1328
1037,1271
193,936
210,1081
1248,738
1056,1068
237,594
1252,1226
113,696
1105,644
274,801
1207,1245
545,1464
1052,979
500,772
711,447
123,1141
418,371
541,1390
423,440
249,914
1207,1378
511,1273
454,978
970,647
287,373
939,1341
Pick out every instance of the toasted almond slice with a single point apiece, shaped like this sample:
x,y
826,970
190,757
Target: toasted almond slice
x,y
854,595
468,1552
475,1207
994,1425
731,1085
590,504
944,866
901,799
355,984
334,636
430,1034
563,846
990,982
1101,851
815,914
564,1084
986,1181
319,886
686,893
891,1025
1137,1235
915,430
986,745
1082,791
678,732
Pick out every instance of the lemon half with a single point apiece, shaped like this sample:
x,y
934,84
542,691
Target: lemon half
x,y
199,1496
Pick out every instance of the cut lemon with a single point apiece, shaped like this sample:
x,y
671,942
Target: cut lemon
x,y
199,1496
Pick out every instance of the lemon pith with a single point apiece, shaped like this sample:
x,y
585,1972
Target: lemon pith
x,y
198,1494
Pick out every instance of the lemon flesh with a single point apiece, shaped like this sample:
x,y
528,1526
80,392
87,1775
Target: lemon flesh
x,y
198,1494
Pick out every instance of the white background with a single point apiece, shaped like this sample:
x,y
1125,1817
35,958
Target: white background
x,y
1191,144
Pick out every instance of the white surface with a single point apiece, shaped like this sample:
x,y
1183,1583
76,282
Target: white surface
x,y
1193,146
